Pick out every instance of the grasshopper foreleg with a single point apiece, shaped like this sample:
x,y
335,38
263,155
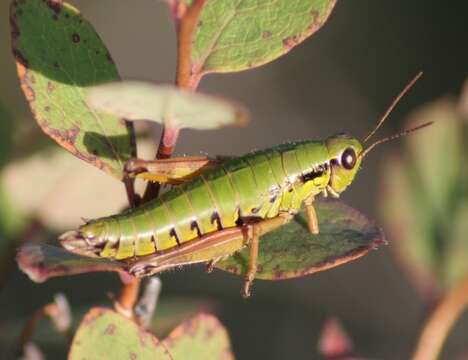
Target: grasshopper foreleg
x,y
211,265
258,229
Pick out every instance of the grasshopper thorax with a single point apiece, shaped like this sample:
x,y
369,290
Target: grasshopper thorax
x,y
345,160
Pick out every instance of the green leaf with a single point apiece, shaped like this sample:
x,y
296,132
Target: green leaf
x,y
291,251
410,241
425,197
234,35
105,334
165,104
41,262
438,146
199,338
170,313
58,55
456,265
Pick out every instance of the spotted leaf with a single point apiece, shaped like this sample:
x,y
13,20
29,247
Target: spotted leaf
x,y
58,54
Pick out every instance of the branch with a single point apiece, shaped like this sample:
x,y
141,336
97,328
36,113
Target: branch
x,y
131,285
185,79
60,315
441,321
128,296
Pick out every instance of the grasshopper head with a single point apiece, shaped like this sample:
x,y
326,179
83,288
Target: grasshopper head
x,y
345,161
346,153
88,240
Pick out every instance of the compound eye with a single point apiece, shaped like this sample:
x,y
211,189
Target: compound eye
x,y
348,158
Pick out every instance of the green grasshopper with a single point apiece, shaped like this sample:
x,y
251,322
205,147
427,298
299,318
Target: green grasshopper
x,y
218,207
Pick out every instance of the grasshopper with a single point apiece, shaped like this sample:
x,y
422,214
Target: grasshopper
x,y
218,207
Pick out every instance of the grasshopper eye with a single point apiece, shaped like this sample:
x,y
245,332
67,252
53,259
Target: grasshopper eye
x,y
348,159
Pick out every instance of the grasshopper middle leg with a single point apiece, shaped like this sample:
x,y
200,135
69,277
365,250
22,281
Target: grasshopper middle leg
x,y
311,214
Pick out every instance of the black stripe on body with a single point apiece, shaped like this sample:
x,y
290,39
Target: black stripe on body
x,y
153,228
261,205
215,214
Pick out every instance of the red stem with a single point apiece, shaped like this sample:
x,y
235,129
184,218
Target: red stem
x,y
185,79
440,322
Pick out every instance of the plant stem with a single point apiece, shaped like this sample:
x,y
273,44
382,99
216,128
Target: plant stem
x,y
440,322
185,79
166,147
128,295
131,285
59,313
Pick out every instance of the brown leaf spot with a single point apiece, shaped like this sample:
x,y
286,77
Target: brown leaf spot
x,y
278,273
266,34
315,16
133,356
25,82
110,329
316,22
259,268
290,41
63,136
233,268
67,139
20,58
55,5
46,108
15,33
50,87
92,316
76,38
56,65
109,58
210,332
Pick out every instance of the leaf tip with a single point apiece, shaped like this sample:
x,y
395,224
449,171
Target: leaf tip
x,y
30,259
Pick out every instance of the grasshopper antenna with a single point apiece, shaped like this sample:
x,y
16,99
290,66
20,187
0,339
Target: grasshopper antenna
x,y
392,106
393,137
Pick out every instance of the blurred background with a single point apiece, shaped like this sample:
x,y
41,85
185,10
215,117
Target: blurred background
x,y
341,79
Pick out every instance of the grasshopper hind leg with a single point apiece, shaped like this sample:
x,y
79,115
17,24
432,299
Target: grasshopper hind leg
x,y
211,248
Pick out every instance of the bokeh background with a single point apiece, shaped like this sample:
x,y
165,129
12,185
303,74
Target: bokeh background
x,y
341,79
